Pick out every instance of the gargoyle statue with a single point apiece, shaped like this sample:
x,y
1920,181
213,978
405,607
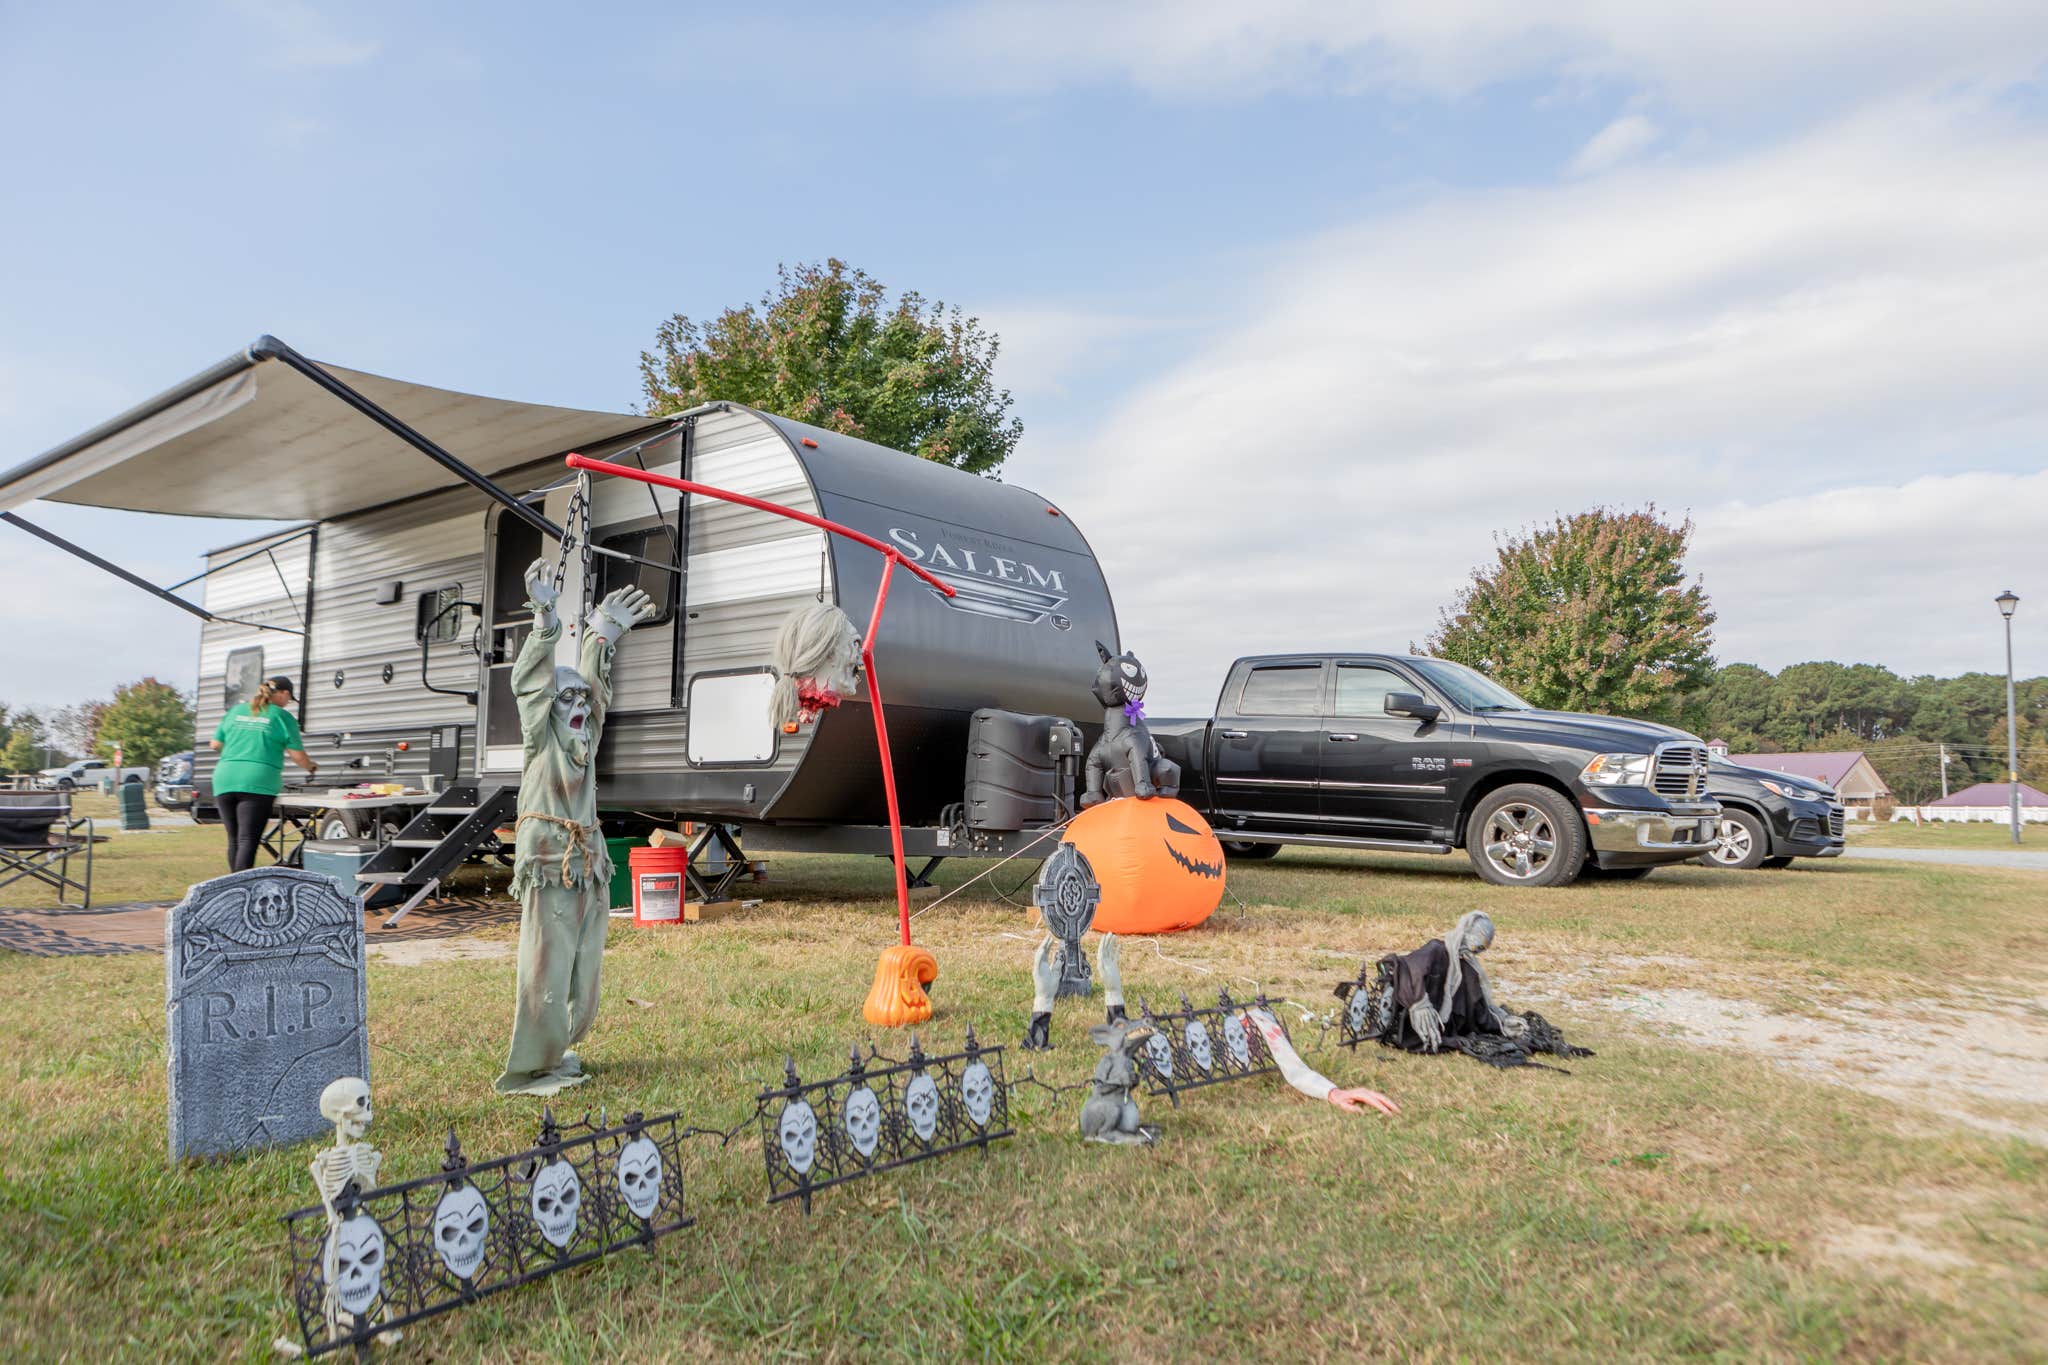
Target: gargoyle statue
x,y
1125,761
1110,1114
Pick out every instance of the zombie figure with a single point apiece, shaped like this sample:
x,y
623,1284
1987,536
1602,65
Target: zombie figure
x,y
1126,761
561,872
1439,997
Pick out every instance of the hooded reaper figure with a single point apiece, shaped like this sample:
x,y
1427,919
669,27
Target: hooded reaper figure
x,y
1439,997
560,872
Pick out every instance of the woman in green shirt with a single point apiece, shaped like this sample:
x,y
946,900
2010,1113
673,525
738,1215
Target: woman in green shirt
x,y
253,741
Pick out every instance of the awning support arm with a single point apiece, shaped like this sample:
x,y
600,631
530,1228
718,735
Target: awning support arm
x,y
115,569
270,348
126,577
263,549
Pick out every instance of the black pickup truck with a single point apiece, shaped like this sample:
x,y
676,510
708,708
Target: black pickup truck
x,y
1392,751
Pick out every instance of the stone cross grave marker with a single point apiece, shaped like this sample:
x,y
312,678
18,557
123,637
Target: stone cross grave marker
x,y
265,1006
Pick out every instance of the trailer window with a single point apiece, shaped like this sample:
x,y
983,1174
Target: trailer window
x,y
435,620
1282,690
244,676
657,543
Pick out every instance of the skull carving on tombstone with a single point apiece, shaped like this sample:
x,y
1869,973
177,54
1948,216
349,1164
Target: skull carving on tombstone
x,y
797,1131
462,1223
1200,1051
557,1202
1235,1041
1159,1051
921,1104
978,1092
862,1117
640,1176
358,1263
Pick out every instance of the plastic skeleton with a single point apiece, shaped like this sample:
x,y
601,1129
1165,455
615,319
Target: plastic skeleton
x,y
1045,984
1472,936
560,872
345,1104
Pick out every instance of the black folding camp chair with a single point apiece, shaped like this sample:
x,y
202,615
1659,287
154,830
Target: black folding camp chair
x,y
39,840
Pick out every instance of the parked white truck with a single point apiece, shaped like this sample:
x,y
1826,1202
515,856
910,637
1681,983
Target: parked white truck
x,y
86,772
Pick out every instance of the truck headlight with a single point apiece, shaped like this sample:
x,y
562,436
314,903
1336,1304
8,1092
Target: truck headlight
x,y
1617,770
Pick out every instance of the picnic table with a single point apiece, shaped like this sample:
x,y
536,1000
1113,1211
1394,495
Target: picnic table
x,y
299,816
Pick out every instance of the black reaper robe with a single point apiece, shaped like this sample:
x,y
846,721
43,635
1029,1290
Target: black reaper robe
x,y
1383,1010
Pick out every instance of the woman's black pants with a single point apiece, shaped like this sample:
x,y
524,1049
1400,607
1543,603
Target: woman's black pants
x,y
244,814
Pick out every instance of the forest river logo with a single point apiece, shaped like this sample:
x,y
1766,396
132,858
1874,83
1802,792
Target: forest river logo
x,y
988,583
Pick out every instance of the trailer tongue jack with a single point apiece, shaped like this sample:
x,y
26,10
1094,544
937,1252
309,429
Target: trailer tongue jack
x,y
898,996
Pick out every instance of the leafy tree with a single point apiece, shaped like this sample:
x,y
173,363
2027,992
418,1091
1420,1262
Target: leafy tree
x,y
826,347
24,752
1590,613
149,720
77,726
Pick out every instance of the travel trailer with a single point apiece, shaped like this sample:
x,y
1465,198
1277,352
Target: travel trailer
x,y
393,590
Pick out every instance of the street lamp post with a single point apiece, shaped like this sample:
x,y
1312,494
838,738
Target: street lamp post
x,y
2007,602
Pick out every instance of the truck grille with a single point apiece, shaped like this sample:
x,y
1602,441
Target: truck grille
x,y
1835,821
1680,771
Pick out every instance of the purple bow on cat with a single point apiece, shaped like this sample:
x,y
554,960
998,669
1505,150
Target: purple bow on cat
x,y
1134,711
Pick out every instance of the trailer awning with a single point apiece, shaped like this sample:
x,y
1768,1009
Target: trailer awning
x,y
252,437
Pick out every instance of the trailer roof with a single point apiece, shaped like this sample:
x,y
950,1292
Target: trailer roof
x,y
252,438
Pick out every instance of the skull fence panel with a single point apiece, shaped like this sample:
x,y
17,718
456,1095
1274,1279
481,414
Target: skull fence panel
x,y
1198,1047
420,1247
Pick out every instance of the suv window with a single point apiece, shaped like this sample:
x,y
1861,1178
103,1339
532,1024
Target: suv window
x,y
1362,689
244,675
1281,690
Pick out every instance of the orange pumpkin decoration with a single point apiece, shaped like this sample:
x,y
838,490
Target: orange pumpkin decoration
x,y
1159,864
898,996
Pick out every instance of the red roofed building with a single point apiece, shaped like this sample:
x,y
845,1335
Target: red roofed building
x,y
1848,772
1988,801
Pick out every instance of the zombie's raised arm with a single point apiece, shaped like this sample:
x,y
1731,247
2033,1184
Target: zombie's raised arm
x,y
533,672
597,671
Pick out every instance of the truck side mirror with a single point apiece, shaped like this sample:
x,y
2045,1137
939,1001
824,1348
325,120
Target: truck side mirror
x,y
1412,704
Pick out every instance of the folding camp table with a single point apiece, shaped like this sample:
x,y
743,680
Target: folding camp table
x,y
38,840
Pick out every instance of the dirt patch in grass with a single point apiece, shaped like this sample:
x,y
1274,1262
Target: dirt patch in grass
x,y
419,952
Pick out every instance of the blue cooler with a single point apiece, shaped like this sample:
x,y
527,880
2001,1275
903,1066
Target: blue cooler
x,y
341,859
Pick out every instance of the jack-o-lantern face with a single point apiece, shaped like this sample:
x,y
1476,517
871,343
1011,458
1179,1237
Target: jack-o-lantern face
x,y
1158,863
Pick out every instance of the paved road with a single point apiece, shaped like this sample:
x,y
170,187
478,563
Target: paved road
x,y
2035,859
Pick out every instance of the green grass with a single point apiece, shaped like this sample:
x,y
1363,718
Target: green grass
x,y
1942,834
1660,1201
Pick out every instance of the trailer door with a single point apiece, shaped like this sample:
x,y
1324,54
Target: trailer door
x,y
509,547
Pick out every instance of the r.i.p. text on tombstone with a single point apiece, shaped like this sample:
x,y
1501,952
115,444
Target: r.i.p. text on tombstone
x,y
266,1001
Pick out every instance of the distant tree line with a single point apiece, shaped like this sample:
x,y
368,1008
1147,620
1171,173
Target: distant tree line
x,y
147,719
1903,724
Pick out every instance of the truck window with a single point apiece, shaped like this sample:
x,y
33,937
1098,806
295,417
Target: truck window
x,y
1281,690
1362,689
244,674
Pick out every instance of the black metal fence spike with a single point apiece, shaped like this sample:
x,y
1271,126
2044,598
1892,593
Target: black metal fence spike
x,y
854,1065
916,1051
1187,1006
550,1131
454,1161
789,1071
972,1046
633,1121
1223,998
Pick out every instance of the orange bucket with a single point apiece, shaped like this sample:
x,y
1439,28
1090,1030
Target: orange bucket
x,y
658,885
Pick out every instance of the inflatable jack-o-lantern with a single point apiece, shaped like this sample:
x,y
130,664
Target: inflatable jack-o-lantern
x,y
1157,861
897,997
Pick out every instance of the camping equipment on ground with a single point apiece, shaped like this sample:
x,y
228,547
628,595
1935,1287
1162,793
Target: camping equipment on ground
x,y
897,997
561,871
1439,997
38,840
1158,863
352,1256
1125,761
873,1118
420,1247
1110,1114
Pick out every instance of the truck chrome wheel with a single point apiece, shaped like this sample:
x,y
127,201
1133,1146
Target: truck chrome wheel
x,y
1519,841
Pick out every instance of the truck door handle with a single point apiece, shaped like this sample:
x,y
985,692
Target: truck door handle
x,y
1342,739
1235,734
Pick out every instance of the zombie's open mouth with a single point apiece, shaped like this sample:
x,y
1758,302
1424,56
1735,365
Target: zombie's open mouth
x,y
575,722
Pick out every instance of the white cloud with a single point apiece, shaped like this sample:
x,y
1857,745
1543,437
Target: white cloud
x,y
1856,310
1718,54
299,35
1622,140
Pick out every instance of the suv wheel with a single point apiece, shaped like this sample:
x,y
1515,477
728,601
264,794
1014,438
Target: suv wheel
x,y
65,784
1526,835
1744,843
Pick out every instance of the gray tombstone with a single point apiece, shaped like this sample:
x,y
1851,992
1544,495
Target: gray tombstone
x,y
266,1005
1066,896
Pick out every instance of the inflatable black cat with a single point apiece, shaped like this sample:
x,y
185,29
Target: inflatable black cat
x,y
1125,761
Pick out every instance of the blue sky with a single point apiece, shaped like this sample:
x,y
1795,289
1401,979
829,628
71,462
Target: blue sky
x,y
1301,303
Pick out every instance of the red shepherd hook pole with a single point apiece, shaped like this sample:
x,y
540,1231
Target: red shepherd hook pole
x,y
891,557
